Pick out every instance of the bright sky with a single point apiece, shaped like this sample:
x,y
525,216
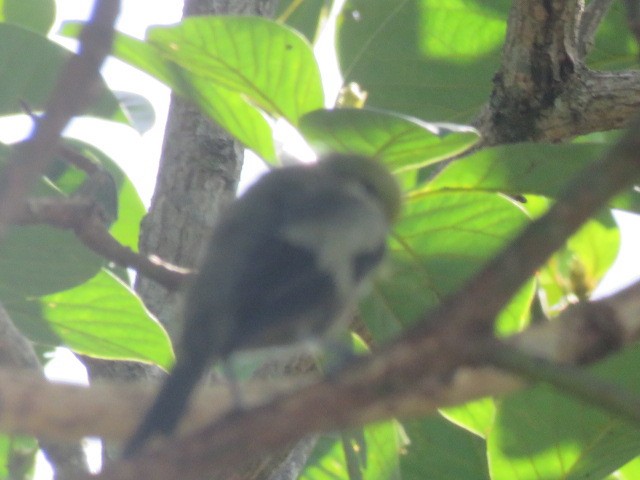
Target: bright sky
x,y
138,155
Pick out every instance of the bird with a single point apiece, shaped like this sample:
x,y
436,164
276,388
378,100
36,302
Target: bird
x,y
285,262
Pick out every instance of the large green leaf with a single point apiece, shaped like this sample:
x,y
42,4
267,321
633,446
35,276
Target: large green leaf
x,y
432,59
231,110
37,15
269,63
631,471
104,318
545,170
231,65
541,434
40,260
29,68
440,450
37,260
403,143
526,168
442,239
477,417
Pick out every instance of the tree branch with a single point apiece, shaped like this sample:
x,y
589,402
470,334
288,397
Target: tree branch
x,y
591,101
544,91
364,392
83,216
31,405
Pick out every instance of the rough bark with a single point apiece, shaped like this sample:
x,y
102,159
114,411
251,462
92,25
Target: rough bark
x,y
544,91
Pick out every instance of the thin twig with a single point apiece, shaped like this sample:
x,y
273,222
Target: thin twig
x,y
83,216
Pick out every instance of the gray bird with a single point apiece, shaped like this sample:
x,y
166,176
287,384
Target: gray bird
x,y
285,262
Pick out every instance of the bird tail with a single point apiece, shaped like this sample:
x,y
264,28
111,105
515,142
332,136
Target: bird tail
x,y
168,407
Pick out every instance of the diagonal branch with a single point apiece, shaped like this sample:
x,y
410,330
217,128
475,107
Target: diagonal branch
x,y
84,217
31,405
366,392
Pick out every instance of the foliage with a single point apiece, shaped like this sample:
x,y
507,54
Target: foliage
x,y
420,61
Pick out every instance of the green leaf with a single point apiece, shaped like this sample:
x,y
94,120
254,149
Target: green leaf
x,y
477,417
31,64
521,168
440,450
269,63
540,433
375,455
433,59
231,110
526,168
306,16
403,143
104,318
442,239
630,471
38,260
36,15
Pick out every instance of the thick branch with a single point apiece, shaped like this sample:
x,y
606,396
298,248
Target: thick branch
x,y
593,101
29,404
363,393
544,90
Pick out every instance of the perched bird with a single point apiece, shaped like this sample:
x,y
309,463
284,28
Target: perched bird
x,y
285,261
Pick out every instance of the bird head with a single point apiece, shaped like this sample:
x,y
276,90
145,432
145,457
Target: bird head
x,y
372,175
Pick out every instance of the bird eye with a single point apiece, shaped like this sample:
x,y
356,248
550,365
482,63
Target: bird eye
x,y
371,189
